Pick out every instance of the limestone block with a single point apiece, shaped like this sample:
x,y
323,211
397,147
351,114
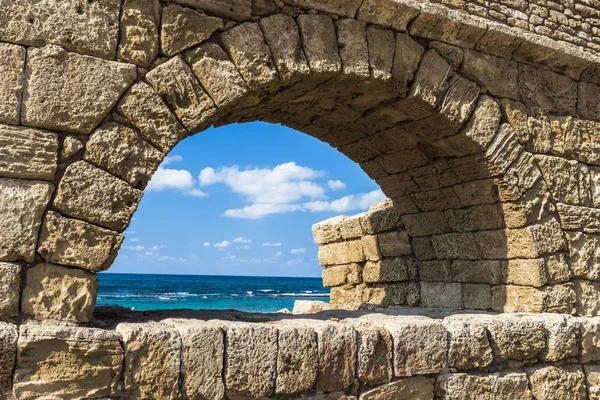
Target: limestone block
x,y
441,295
415,388
500,40
250,360
246,46
521,176
392,294
435,271
392,269
139,24
515,337
371,248
547,89
584,255
374,362
348,297
394,244
453,54
557,383
509,385
11,82
66,362
337,357
71,146
434,200
87,28
497,75
526,272
8,353
27,153
592,377
283,38
477,296
202,352
320,43
455,246
217,74
475,218
263,7
562,338
76,243
22,205
176,83
350,228
88,193
297,359
341,253
587,297
420,346
341,7
426,223
422,248
381,217
83,89
477,192
563,178
516,115
468,344
434,176
587,107
341,275
59,293
558,269
589,330
354,50
148,112
183,28
447,25
382,44
120,151
503,150
575,218
393,14
238,10
328,231
310,306
478,271
10,290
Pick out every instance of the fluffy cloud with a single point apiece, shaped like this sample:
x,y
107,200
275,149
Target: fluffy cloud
x,y
271,244
206,244
134,248
174,179
223,245
278,254
244,247
298,251
241,240
348,203
336,185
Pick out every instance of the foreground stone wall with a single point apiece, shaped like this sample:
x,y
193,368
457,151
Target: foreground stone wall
x,y
329,356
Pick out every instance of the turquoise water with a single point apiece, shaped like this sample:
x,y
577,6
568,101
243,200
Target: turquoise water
x,y
200,292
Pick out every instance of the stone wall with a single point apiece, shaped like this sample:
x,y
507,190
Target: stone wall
x,y
330,356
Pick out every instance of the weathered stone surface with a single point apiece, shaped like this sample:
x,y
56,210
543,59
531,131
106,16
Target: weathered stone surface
x,y
83,89
27,153
238,10
89,28
393,14
76,243
477,296
11,82
590,338
251,360
526,272
575,218
148,112
516,337
152,362
320,43
283,38
202,352
394,244
337,355
59,293
587,294
8,353
297,359
340,7
584,255
587,106
374,363
183,28
441,295
497,75
510,385
542,88
342,275
139,24
177,84
217,74
392,269
66,362
88,193
562,338
381,217
120,151
341,253
592,377
420,346
455,245
22,205
354,49
71,146
10,290
468,344
557,383
417,388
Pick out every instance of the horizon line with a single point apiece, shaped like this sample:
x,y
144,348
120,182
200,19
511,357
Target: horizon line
x,y
235,276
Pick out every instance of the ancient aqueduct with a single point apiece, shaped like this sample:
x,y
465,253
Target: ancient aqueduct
x,y
479,119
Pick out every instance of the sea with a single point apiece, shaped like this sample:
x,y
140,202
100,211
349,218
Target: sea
x,y
143,292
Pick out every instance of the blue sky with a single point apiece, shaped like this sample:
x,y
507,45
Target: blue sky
x,y
241,200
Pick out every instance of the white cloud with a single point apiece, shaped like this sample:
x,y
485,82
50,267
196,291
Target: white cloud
x,y
244,247
206,244
134,248
271,244
241,240
298,251
257,211
348,203
295,261
196,193
171,159
336,185
155,248
278,254
223,245
174,179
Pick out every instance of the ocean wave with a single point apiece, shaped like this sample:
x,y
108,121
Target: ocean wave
x,y
301,295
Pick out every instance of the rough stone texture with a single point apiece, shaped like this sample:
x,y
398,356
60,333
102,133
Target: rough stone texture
x,y
66,362
202,352
27,153
54,292
120,151
11,82
394,269
251,360
238,10
508,385
516,337
139,31
543,88
297,359
320,43
183,28
76,243
468,344
557,383
83,89
417,388
152,362
89,28
22,205
10,289
337,355
394,14
88,193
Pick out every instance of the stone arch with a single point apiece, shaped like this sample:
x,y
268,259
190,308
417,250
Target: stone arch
x,y
461,131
